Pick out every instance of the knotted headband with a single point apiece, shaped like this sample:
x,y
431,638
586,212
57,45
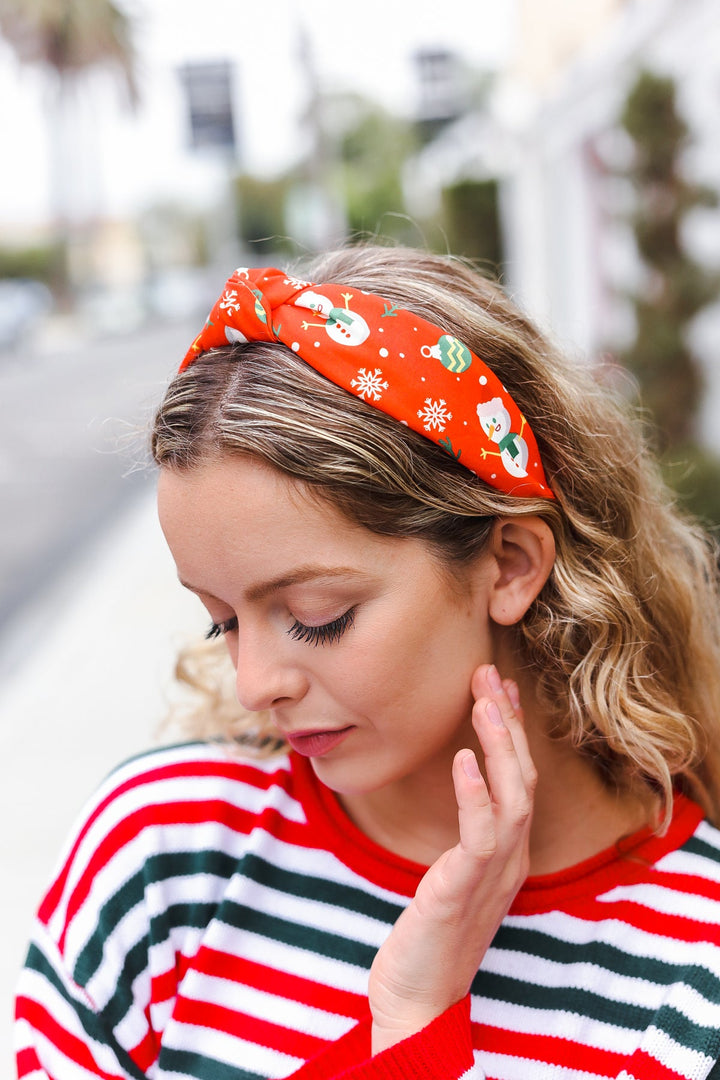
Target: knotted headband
x,y
392,359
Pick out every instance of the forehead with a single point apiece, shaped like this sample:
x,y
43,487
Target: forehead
x,y
240,493
241,517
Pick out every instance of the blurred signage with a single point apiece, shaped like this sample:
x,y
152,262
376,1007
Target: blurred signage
x,y
209,94
440,103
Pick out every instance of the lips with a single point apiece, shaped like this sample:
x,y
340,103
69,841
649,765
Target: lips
x,y
316,743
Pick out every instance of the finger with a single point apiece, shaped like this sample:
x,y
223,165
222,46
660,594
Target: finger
x,y
463,864
516,725
493,705
511,689
488,684
510,789
475,809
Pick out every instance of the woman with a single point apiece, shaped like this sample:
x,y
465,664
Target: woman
x,y
473,641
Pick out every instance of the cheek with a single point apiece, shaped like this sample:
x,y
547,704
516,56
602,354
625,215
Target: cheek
x,y
445,640
425,669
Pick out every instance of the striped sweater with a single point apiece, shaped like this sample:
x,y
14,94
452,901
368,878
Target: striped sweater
x,y
215,918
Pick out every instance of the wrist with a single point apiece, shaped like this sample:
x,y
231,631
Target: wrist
x,y
389,1031
382,1036
438,1045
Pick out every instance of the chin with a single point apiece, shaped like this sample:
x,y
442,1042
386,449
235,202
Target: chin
x,y
343,779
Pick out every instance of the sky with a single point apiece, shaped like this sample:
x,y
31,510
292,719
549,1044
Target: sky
x,y
130,158
368,46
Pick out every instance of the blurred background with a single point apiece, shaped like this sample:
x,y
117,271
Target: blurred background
x,y
149,146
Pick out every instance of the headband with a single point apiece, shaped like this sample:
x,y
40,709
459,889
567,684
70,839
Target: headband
x,y
392,359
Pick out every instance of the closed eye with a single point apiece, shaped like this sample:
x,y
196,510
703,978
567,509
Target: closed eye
x,y
218,629
325,634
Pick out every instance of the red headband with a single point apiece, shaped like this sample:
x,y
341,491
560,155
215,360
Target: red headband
x,y
392,359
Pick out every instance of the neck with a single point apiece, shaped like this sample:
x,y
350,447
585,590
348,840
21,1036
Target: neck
x,y
416,821
575,815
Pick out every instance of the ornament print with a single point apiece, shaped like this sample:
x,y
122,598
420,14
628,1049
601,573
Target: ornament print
x,y
451,353
391,359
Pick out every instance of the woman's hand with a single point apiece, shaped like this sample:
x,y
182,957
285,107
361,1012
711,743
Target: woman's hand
x,y
435,948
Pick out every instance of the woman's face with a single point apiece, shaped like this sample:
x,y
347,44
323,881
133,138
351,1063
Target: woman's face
x,y
359,646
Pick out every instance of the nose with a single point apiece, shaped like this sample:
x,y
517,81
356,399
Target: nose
x,y
264,678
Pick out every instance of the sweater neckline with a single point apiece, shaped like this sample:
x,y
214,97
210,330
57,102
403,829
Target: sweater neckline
x,y
625,862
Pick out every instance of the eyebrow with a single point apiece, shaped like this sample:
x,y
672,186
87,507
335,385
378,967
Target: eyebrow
x,y
299,576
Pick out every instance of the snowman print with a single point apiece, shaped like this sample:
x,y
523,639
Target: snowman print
x,y
495,422
342,325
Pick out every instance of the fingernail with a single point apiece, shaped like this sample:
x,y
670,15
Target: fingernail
x,y
493,678
514,694
470,767
493,714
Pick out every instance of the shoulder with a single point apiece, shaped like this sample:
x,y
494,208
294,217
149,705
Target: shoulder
x,y
692,854
181,803
677,894
693,868
209,774
190,782
704,847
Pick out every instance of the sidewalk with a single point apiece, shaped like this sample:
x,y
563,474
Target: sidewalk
x,y
89,667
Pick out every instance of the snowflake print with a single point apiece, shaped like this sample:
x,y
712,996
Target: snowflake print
x,y
296,283
369,383
434,415
230,301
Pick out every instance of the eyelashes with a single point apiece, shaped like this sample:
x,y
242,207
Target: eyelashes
x,y
217,629
326,634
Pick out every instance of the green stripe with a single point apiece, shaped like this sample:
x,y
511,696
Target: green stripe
x,y
192,913
274,928
571,999
320,890
158,868
195,915
583,1002
136,959
594,1006
706,1040
112,911
695,846
166,866
123,1000
199,915
607,958
188,1063
93,1024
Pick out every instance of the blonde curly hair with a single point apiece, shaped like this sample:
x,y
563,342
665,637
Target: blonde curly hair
x,y
623,640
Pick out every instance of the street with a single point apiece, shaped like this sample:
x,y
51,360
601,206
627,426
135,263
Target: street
x,y
92,612
73,426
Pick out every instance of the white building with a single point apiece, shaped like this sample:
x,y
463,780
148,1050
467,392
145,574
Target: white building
x,y
120,163
550,133
566,252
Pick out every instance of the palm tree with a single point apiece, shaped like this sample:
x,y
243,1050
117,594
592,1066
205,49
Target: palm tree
x,y
69,38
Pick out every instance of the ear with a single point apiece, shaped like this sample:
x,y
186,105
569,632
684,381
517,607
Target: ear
x,y
524,553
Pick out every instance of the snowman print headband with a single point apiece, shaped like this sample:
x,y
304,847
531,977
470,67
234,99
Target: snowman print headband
x,y
391,359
